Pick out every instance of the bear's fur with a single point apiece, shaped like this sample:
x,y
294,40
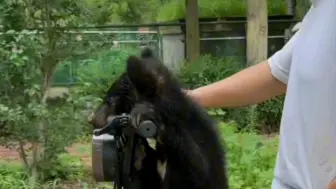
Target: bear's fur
x,y
120,98
188,152
188,145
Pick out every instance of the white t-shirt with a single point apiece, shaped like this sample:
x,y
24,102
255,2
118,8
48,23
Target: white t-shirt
x,y
307,64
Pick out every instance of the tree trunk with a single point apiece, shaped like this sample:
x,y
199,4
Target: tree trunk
x,y
291,7
257,31
257,35
192,30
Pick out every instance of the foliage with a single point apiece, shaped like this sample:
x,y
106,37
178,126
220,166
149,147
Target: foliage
x,y
66,167
98,45
85,12
22,112
13,174
208,70
100,12
95,75
137,11
251,159
28,116
127,11
302,7
175,9
269,115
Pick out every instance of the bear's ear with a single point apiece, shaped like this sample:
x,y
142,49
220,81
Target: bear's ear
x,y
145,76
147,53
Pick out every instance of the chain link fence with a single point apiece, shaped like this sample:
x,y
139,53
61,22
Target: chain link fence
x,y
100,50
103,47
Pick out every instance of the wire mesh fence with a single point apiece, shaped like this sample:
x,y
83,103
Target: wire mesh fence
x,y
103,50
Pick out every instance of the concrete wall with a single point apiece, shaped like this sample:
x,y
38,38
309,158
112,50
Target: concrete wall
x,y
173,50
172,46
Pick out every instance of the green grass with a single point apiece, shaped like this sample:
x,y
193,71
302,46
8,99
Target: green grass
x,y
250,161
251,158
175,9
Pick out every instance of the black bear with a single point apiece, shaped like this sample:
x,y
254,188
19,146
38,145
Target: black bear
x,y
188,151
120,98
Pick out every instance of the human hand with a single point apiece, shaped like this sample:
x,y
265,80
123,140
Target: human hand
x,y
191,94
186,91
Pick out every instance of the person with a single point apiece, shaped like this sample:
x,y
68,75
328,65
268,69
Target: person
x,y
305,70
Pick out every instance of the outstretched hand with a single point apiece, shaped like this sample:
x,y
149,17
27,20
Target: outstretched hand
x,y
186,91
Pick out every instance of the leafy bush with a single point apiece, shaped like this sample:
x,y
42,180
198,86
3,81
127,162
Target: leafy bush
x,y
269,114
12,175
95,75
251,158
250,162
68,168
175,9
65,167
27,115
208,69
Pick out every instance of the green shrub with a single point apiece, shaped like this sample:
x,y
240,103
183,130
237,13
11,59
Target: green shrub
x,y
12,175
65,167
208,69
269,114
25,116
63,74
202,72
251,158
250,163
95,75
175,9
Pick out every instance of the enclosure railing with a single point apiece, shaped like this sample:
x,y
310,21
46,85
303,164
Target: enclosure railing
x,y
134,36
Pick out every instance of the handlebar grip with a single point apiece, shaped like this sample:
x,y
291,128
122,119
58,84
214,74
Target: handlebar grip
x,y
104,130
117,122
146,129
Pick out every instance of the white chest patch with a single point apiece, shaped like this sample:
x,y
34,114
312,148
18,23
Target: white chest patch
x,y
162,168
152,142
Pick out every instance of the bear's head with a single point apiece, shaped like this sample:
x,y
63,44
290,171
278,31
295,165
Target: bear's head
x,y
120,98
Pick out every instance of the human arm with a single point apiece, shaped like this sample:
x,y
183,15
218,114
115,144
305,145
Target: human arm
x,y
252,85
249,86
